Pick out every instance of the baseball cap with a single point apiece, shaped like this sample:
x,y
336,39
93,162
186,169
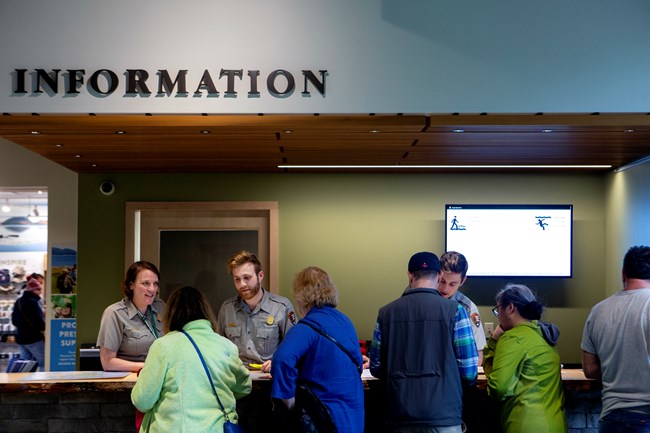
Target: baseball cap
x,y
33,284
424,261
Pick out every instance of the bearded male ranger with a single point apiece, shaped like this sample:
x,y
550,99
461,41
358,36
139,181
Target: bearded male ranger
x,y
255,320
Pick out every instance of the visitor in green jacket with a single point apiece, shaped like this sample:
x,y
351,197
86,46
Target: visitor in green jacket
x,y
173,389
522,365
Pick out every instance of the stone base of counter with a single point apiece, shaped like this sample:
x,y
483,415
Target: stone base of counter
x,y
583,411
105,406
67,412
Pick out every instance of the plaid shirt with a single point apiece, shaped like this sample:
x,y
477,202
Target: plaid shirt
x,y
463,342
465,346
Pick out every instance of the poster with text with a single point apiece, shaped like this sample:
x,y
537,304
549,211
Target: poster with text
x,y
63,345
63,308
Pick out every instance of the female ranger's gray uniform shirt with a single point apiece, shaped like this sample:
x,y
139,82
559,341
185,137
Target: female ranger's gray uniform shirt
x,y
124,332
256,333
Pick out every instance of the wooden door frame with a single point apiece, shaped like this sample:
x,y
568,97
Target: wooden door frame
x,y
134,211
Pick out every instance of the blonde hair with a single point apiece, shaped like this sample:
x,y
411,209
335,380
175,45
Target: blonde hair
x,y
313,287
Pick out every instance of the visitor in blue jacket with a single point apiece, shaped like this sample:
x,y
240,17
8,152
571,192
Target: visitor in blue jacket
x,y
305,356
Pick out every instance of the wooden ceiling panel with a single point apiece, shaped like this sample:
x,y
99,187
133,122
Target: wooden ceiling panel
x,y
259,143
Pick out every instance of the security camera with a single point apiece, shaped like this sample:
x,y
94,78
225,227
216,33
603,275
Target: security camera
x,y
107,187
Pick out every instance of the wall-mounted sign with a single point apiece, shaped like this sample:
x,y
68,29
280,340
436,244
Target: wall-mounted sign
x,y
278,83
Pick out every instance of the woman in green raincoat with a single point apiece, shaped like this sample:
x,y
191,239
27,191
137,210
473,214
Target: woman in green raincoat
x,y
522,365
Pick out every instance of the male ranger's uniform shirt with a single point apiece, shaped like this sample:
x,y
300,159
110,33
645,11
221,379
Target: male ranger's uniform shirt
x,y
256,333
475,318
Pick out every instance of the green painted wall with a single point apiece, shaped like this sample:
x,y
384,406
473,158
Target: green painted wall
x,y
361,228
627,210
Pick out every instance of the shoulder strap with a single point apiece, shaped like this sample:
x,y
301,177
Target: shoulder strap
x,y
329,337
205,367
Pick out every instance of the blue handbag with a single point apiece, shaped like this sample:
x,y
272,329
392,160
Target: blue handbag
x,y
228,427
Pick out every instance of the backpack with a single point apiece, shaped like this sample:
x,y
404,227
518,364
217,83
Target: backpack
x,y
5,277
60,282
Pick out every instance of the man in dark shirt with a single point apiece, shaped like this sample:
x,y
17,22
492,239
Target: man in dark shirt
x,y
423,350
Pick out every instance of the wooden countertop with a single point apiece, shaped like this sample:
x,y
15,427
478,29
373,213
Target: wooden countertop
x,y
69,381
573,379
85,381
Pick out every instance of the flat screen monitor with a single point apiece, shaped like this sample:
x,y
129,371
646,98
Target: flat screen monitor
x,y
511,240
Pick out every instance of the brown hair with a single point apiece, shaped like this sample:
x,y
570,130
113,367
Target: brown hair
x,y
313,287
454,262
241,258
184,305
132,274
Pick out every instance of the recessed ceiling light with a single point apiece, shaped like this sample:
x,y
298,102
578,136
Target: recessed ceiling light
x,y
58,145
35,132
205,131
629,130
547,130
288,131
374,131
120,132
77,156
457,131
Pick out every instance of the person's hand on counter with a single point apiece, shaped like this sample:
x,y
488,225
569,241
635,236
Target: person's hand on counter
x,y
264,368
110,362
498,332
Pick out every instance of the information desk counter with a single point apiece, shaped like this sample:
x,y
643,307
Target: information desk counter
x,y
100,402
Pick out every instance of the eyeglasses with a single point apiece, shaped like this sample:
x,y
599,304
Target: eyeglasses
x,y
495,310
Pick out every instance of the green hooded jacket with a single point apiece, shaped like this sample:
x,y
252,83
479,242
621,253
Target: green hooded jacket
x,y
523,373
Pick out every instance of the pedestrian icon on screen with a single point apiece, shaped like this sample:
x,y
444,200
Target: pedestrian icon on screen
x,y
455,225
540,221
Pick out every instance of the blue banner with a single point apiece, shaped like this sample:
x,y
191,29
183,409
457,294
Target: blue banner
x,y
63,345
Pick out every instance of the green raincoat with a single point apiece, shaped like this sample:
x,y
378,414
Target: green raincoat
x,y
523,373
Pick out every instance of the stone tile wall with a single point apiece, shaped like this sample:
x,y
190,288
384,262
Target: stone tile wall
x,y
583,411
112,412
67,412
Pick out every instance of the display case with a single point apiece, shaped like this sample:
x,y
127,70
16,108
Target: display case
x,y
8,346
23,252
